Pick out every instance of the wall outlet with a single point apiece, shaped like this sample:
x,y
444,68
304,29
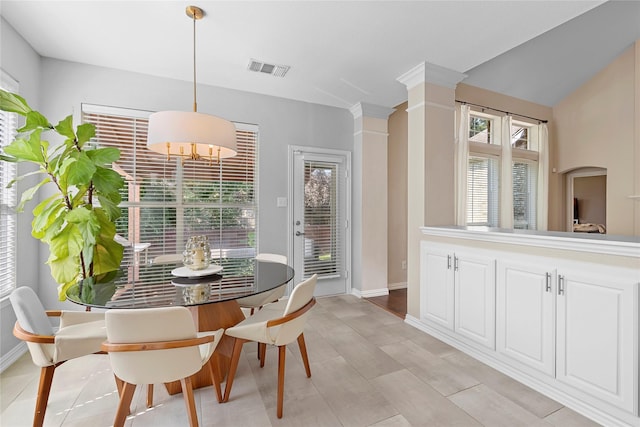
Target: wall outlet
x,y
281,202
404,264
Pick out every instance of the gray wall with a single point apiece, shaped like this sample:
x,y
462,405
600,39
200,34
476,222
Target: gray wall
x,y
22,63
63,86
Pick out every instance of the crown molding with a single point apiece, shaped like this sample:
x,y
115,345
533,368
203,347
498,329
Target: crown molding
x,y
362,109
431,73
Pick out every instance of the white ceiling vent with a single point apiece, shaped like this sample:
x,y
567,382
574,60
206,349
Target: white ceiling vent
x,y
263,67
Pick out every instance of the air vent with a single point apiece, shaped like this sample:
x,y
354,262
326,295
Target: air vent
x,y
263,67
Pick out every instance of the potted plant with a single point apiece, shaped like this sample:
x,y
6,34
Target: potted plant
x,y
77,221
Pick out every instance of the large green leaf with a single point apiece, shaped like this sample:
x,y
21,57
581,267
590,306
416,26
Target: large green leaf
x,y
65,128
27,150
108,253
68,242
13,103
28,194
65,270
107,181
35,120
46,214
104,156
87,223
21,177
110,206
81,172
85,132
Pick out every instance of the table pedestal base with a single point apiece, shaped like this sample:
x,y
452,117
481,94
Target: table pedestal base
x,y
210,317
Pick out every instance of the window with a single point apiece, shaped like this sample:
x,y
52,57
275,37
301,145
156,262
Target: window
x,y
489,164
483,171
166,202
8,197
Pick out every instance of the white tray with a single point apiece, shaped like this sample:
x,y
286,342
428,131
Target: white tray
x,y
187,272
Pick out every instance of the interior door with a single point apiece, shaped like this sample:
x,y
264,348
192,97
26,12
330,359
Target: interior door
x,y
319,217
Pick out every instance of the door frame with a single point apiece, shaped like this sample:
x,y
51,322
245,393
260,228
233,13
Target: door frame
x,y
582,172
291,151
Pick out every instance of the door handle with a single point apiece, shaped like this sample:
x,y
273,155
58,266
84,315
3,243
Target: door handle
x,y
548,284
560,285
298,233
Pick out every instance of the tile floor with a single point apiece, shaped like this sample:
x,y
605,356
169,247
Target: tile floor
x,y
368,367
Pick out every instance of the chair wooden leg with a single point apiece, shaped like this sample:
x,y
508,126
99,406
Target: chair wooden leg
x,y
124,407
44,387
303,353
282,351
149,395
187,391
119,385
262,353
215,379
235,358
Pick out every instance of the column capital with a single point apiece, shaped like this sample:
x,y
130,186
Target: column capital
x,y
362,109
426,72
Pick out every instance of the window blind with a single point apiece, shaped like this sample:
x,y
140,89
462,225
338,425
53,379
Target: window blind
x,y
323,231
525,184
165,202
482,191
8,197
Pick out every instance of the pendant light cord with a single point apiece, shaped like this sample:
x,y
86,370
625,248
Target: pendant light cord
x,y
195,104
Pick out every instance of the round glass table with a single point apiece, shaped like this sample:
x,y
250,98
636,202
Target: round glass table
x,y
210,298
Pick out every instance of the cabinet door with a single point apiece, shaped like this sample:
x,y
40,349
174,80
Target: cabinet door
x,y
436,291
597,333
525,313
475,308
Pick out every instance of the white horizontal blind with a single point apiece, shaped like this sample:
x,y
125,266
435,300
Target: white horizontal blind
x,y
525,184
8,197
323,233
482,191
167,201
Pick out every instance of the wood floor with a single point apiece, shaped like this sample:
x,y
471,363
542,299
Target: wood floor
x,y
369,368
395,302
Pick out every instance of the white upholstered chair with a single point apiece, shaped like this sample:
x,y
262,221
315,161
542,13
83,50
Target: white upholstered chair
x,y
253,302
157,345
80,333
275,327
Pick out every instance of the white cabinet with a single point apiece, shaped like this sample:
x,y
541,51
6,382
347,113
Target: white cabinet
x,y
525,316
595,333
458,292
572,322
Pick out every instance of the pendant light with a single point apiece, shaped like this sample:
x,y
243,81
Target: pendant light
x,y
192,135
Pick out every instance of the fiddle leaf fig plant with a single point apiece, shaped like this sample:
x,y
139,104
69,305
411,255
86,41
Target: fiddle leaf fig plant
x,y
80,232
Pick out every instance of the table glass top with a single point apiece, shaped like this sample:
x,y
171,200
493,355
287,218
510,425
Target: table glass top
x,y
145,286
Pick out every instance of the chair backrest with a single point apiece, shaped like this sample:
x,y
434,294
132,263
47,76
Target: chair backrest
x,y
168,259
32,317
30,312
281,259
152,325
301,295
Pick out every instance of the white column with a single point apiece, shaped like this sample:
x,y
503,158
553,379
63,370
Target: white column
x,y
369,214
430,164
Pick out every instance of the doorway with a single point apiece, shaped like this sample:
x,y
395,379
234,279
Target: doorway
x,y
586,197
319,216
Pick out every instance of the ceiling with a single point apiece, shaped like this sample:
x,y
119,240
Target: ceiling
x,y
340,52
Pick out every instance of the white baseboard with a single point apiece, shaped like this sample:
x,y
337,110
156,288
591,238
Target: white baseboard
x,y
12,355
394,286
616,417
370,293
